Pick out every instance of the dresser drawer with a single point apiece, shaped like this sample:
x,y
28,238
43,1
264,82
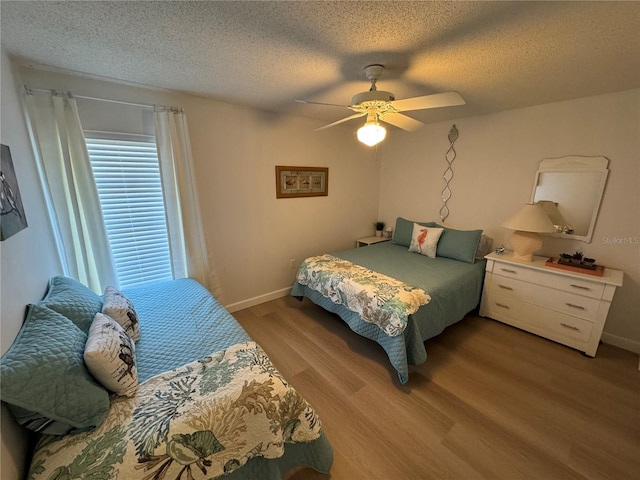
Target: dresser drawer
x,y
558,300
564,306
552,280
556,326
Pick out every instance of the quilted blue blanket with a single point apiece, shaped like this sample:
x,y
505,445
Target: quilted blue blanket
x,y
377,298
197,414
454,287
201,421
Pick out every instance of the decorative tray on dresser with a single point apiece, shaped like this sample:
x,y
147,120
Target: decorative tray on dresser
x,y
562,305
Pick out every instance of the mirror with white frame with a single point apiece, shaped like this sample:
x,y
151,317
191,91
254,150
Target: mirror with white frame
x,y
570,190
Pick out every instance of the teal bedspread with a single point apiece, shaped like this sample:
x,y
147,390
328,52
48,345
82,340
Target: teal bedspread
x,y
377,298
180,323
455,288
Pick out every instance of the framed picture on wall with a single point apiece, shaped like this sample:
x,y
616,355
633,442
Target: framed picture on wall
x,y
301,181
12,217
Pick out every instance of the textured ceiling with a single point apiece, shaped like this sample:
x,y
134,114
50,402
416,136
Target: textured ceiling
x,y
498,55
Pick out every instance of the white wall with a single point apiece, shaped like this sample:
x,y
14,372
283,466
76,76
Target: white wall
x,y
254,235
27,259
497,157
251,235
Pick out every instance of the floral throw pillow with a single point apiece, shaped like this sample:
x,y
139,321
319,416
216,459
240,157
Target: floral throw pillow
x,y
110,356
120,308
424,240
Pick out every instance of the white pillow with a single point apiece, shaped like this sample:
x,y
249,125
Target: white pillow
x,y
424,240
120,308
110,356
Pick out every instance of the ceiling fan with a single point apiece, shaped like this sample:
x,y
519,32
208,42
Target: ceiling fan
x,y
379,105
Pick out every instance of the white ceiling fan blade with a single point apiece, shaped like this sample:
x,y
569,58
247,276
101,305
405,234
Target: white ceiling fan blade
x,y
437,100
402,121
319,103
350,117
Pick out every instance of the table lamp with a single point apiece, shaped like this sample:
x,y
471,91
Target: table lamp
x,y
528,223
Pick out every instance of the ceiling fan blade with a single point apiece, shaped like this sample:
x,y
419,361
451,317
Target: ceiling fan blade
x,y
437,100
402,121
350,117
319,103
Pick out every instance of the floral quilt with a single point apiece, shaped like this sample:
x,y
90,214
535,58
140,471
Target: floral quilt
x,y
377,298
199,421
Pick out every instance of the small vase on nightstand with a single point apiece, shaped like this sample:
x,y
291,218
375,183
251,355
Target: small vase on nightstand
x,y
379,227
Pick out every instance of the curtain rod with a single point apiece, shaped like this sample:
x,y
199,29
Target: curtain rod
x,y
32,91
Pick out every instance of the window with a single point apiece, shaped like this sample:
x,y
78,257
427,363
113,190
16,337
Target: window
x,y
127,176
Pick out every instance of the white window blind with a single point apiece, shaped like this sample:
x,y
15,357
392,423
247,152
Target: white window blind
x,y
127,176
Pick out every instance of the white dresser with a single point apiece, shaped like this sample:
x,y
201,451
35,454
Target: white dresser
x,y
563,306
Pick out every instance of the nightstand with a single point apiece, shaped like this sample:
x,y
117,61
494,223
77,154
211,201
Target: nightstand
x,y
567,307
363,242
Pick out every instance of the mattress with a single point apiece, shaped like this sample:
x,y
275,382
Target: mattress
x,y
180,322
205,326
455,288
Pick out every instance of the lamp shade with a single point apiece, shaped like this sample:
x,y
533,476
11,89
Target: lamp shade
x,y
371,134
527,223
530,218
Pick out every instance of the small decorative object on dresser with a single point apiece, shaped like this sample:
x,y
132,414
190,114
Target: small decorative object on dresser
x,y
589,268
566,306
379,227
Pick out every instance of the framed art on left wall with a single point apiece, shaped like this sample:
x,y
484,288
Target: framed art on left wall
x,y
294,182
12,217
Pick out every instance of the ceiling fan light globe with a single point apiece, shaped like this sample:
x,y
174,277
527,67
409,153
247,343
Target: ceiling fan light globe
x,y
371,134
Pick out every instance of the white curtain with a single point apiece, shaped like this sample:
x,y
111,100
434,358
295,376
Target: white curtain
x,y
186,236
70,189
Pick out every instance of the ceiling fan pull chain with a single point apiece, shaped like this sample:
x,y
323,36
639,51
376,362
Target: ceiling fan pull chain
x,y
450,156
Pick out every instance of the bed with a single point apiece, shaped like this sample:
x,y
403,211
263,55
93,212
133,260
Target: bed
x,y
207,404
452,279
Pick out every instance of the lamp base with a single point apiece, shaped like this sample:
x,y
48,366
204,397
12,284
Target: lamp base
x,y
524,244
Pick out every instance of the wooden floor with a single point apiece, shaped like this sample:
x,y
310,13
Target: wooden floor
x,y
490,402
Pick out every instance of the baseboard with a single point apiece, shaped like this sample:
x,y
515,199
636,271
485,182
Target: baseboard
x,y
250,302
621,342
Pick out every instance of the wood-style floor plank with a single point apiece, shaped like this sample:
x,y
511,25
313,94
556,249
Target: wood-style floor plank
x,y
491,401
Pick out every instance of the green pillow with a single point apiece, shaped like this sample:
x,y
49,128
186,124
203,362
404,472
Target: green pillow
x,y
404,230
459,244
44,378
72,299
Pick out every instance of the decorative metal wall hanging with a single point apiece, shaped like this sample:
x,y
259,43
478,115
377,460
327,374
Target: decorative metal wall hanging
x,y
12,217
450,156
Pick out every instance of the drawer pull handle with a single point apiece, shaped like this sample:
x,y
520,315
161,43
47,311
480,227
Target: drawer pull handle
x,y
580,287
570,327
509,271
502,305
505,287
579,307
